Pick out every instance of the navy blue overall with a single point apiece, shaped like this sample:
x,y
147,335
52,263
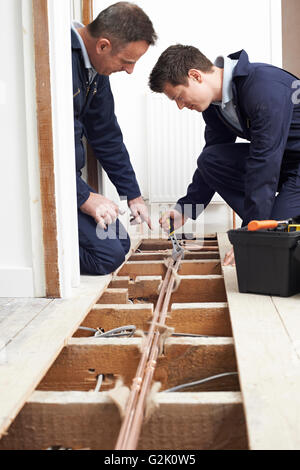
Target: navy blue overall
x,y
94,118
261,179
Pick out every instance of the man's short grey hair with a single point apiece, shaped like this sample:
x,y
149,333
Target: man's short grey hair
x,y
122,23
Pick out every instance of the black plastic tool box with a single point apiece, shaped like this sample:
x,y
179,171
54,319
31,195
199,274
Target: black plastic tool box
x,y
267,261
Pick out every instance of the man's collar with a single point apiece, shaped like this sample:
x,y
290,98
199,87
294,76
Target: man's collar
x,y
242,67
79,44
227,65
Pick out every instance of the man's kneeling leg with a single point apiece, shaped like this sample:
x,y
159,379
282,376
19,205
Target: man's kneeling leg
x,y
101,251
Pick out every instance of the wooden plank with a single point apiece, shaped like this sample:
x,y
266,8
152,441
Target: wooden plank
x,y
142,286
119,282
108,316
4,302
196,318
289,312
81,420
117,296
16,314
210,318
184,360
45,142
268,363
87,11
159,244
144,256
200,289
194,288
158,268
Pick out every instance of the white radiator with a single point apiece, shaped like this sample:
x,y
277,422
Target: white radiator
x,y
175,141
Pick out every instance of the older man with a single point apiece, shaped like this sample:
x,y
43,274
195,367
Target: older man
x,y
113,42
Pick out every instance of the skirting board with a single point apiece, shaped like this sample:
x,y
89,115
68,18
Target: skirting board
x,y
16,282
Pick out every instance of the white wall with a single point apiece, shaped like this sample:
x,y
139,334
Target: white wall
x,y
15,234
215,27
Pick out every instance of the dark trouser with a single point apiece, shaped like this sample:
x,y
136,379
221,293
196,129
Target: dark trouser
x,y
222,170
101,251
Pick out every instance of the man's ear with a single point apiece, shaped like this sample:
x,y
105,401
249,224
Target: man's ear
x,y
103,45
195,74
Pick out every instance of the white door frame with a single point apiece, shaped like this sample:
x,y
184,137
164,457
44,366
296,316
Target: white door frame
x,y
52,180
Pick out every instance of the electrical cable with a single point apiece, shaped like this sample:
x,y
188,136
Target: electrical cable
x,y
121,331
132,328
198,382
189,335
128,330
99,383
93,330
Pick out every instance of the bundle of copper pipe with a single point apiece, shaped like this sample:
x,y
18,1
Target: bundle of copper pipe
x,y
135,408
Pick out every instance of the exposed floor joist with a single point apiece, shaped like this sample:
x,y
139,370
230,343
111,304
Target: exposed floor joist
x,y
210,318
184,360
207,420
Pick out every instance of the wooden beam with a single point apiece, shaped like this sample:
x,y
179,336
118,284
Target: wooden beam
x,y
81,420
185,360
108,316
201,318
158,268
87,11
196,318
161,244
268,363
194,288
144,256
200,289
142,286
45,143
113,296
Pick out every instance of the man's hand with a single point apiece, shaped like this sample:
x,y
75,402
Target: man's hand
x,y
229,258
104,211
178,218
139,211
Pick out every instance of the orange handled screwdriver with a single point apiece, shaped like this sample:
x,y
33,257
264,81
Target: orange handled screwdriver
x,y
263,224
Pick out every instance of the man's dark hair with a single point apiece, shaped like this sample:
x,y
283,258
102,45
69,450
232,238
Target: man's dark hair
x,y
122,23
174,64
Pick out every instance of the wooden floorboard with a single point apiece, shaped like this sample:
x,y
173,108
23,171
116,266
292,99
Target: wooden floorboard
x,y
266,336
16,314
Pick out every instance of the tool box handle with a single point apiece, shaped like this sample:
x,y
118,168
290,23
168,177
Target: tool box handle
x,y
262,225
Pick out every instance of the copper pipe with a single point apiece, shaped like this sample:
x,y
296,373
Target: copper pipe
x,y
149,372
200,248
136,384
132,423
233,220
